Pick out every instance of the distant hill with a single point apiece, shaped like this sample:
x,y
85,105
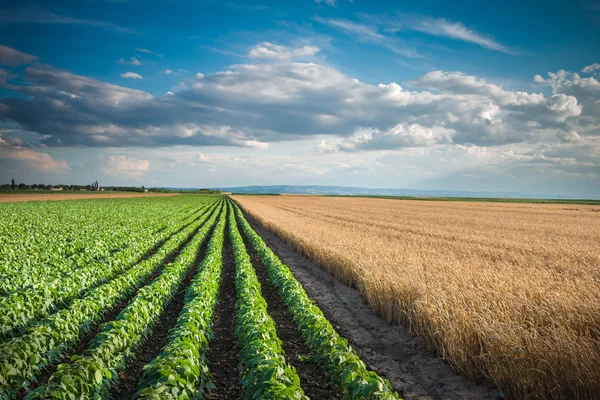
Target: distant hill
x,y
359,191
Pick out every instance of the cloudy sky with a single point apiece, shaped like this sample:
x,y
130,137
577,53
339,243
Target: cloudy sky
x,y
421,95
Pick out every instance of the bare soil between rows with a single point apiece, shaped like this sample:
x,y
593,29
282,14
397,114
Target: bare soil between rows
x,y
388,349
223,352
11,198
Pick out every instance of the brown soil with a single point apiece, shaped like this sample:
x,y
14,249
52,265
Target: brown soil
x,y
10,198
388,349
313,380
224,354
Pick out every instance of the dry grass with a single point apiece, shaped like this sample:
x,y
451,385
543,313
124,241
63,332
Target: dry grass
x,y
507,292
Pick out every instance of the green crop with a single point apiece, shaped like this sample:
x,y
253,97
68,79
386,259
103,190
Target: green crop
x,y
330,351
63,267
264,372
91,374
181,370
23,357
19,309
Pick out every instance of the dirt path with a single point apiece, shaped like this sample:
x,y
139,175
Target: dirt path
x,y
388,349
11,198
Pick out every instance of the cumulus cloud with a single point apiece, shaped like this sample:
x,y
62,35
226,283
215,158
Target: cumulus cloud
x,y
167,71
266,50
12,57
125,166
131,75
567,86
399,136
250,105
14,150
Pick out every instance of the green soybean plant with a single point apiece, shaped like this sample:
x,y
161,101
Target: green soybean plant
x,y
92,374
263,370
23,357
20,309
181,370
332,352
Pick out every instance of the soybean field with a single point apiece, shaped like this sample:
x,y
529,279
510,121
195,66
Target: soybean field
x,y
161,298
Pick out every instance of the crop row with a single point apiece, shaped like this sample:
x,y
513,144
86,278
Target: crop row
x,y
43,241
264,372
181,370
92,374
22,358
17,310
331,352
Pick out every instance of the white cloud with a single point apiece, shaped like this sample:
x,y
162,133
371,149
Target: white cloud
x,y
399,136
199,75
252,105
460,83
131,75
436,27
585,91
199,158
12,57
14,150
167,72
305,51
146,51
453,30
132,61
266,50
329,2
125,166
591,68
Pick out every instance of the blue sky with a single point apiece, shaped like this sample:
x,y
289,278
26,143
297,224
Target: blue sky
x,y
425,95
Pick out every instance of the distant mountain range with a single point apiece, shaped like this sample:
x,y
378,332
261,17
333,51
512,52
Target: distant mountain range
x,y
359,191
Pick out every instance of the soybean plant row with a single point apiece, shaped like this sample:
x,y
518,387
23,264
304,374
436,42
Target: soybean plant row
x,y
60,338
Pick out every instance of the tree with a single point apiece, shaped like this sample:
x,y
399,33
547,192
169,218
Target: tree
x,y
13,184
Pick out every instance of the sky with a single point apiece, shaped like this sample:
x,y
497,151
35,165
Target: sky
x,y
436,95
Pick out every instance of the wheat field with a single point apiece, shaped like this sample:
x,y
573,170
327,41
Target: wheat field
x,y
504,292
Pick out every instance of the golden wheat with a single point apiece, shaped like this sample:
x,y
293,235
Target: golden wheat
x,y
506,292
